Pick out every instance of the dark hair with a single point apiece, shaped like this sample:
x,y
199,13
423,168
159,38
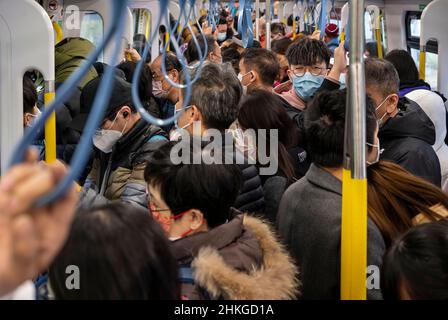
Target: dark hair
x,y
232,56
216,93
325,126
395,197
382,75
29,95
273,116
192,53
264,62
405,65
281,46
145,85
278,27
418,263
307,52
121,253
172,63
372,48
210,188
222,20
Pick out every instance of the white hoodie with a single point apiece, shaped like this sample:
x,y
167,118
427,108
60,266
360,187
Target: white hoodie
x,y
432,104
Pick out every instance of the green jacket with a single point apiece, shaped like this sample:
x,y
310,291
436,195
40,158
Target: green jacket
x,y
70,53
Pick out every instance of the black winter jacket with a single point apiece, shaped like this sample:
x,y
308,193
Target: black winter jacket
x,y
407,140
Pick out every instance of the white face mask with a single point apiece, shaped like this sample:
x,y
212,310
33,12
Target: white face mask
x,y
381,120
105,139
240,78
35,118
379,151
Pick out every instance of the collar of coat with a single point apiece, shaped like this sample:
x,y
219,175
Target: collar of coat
x,y
323,179
276,278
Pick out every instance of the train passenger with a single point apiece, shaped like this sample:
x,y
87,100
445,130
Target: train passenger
x,y
144,87
415,268
258,69
309,217
278,31
224,32
292,160
31,113
331,37
70,54
214,106
120,252
232,56
212,54
309,62
31,237
398,200
432,103
122,146
279,47
406,133
220,256
166,94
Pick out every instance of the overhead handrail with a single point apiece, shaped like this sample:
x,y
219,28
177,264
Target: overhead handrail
x,y
245,26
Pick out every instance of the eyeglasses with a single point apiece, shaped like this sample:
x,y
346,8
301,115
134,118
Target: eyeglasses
x,y
314,70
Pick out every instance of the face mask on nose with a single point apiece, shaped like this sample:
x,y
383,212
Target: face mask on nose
x,y
222,36
105,140
307,85
240,78
157,90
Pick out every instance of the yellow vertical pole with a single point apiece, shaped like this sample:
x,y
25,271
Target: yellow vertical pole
x,y
167,40
379,43
58,31
50,125
379,38
422,64
354,184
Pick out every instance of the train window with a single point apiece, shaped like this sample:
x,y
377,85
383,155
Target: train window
x,y
368,27
92,28
413,42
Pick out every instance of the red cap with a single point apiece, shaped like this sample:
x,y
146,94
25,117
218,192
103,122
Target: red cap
x,y
332,30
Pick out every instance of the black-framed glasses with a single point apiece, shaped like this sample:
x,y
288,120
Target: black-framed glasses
x,y
314,70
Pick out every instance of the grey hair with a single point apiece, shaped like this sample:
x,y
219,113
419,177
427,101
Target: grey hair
x,y
382,74
216,94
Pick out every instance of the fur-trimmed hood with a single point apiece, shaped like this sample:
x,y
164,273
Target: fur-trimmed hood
x,y
275,279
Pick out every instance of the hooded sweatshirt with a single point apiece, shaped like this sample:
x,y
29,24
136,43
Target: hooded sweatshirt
x,y
407,140
432,104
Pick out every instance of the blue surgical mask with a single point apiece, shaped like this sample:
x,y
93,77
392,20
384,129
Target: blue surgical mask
x,y
307,85
342,80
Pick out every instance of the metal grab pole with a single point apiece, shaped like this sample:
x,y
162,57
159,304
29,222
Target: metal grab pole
x,y
268,24
257,20
354,193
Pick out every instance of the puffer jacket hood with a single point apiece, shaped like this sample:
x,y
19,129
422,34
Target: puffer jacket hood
x,y
70,53
411,121
245,262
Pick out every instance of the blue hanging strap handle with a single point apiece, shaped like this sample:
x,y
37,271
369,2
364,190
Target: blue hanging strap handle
x,y
245,26
82,152
323,18
163,4
347,36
